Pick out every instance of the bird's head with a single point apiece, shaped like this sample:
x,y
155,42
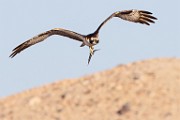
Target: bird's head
x,y
93,40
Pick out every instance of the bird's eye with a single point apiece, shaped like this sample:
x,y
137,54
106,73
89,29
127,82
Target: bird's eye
x,y
91,41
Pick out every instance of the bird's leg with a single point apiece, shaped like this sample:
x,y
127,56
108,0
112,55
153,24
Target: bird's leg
x,y
91,48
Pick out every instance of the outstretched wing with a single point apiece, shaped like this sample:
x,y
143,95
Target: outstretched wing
x,y
43,36
105,21
137,16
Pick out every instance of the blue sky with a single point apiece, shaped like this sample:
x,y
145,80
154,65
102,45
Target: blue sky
x,y
60,58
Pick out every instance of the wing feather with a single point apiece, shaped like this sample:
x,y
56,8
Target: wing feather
x,y
105,21
137,16
43,36
149,16
146,12
147,19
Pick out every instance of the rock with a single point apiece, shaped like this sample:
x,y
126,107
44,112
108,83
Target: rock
x,y
145,90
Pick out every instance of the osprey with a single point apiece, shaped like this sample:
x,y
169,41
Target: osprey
x,y
90,40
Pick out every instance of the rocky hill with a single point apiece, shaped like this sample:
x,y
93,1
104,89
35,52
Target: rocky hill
x,y
145,90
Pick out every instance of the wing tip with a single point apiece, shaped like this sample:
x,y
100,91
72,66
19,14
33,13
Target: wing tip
x,y
17,50
12,54
146,17
147,12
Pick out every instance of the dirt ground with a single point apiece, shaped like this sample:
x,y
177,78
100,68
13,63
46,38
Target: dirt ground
x,y
145,90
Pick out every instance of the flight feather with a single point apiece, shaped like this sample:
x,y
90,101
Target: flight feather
x,y
44,35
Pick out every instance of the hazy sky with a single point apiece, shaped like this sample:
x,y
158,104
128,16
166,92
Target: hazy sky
x,y
60,58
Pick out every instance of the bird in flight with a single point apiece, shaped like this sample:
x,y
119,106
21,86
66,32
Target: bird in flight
x,y
90,40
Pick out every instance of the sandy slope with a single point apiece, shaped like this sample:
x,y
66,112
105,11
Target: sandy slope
x,y
146,90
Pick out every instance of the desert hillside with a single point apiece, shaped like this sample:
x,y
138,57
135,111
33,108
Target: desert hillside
x,y
145,90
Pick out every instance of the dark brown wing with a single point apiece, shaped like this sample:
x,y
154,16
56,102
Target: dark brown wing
x,y
43,36
105,21
137,16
